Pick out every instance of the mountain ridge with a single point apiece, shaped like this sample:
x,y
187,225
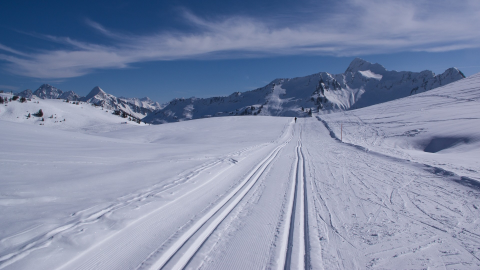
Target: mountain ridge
x,y
97,97
361,85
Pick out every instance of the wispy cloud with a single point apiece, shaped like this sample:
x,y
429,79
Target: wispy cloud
x,y
8,87
10,50
357,27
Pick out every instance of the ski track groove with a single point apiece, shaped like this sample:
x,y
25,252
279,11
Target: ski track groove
x,y
297,255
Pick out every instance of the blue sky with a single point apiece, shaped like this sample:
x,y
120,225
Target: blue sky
x,y
167,49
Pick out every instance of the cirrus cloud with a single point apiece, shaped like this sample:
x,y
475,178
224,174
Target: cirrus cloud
x,y
357,27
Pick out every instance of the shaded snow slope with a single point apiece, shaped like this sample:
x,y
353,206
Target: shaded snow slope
x,y
439,127
363,84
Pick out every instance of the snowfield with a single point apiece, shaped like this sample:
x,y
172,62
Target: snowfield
x,y
438,127
401,191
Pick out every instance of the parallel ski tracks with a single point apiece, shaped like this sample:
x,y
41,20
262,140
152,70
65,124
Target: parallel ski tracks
x,y
181,252
124,201
296,246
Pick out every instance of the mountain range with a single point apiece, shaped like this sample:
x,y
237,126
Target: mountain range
x,y
132,106
361,85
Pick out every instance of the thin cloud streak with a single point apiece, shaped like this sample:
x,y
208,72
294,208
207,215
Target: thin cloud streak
x,y
365,27
8,87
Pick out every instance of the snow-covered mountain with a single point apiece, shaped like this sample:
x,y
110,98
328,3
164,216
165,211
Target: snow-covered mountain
x,y
362,84
78,117
145,102
46,91
133,106
27,93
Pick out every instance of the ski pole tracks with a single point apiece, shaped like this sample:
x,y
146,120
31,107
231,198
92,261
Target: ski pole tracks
x,y
179,254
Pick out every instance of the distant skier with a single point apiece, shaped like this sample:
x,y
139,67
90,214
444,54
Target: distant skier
x,y
295,119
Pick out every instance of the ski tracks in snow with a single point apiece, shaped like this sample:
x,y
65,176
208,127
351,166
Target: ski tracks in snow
x,y
80,219
295,245
176,250
316,204
96,213
290,245
374,211
182,251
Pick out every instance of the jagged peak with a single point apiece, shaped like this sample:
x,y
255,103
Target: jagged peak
x,y
25,93
46,85
95,91
359,64
454,70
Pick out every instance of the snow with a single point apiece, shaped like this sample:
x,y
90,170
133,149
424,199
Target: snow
x,y
438,127
401,191
275,101
62,115
370,74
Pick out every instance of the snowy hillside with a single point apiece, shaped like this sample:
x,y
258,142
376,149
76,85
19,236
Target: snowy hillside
x,y
402,191
59,114
138,108
439,127
363,84
99,98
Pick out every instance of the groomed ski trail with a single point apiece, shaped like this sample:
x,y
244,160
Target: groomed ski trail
x,y
214,217
210,210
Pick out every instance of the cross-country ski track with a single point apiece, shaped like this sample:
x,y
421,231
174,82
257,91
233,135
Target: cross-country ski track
x,y
304,200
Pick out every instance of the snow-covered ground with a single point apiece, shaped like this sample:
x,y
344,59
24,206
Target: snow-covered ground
x,y
58,114
400,192
439,127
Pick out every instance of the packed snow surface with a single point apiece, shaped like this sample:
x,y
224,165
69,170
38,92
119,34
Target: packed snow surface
x,y
401,191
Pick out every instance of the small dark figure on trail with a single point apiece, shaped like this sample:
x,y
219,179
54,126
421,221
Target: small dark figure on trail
x,y
295,119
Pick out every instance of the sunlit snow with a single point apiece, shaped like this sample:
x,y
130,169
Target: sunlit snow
x,y
370,74
391,186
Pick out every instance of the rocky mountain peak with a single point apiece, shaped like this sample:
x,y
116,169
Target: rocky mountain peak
x,y
96,91
359,64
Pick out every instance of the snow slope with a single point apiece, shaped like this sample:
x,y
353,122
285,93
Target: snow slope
x,y
362,84
60,183
250,192
438,127
62,115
